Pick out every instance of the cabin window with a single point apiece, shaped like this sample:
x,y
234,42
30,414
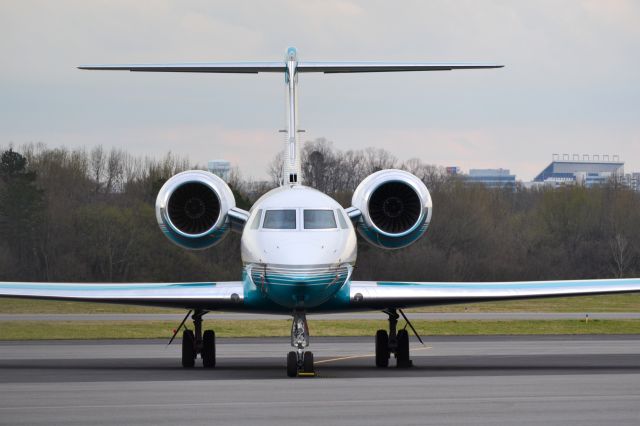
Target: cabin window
x,y
279,219
319,219
341,219
256,220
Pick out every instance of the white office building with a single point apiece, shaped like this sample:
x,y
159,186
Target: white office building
x,y
221,168
587,170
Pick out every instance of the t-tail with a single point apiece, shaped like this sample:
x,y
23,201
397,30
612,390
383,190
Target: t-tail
x,y
291,67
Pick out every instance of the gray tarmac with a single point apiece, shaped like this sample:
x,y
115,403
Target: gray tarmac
x,y
458,316
581,380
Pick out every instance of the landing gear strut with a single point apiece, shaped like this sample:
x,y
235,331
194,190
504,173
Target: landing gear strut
x,y
195,342
394,342
299,362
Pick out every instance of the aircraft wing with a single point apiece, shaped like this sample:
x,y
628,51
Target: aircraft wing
x,y
209,295
392,294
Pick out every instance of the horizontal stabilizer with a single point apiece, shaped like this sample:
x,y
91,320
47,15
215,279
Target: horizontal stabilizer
x,y
214,67
325,67
349,67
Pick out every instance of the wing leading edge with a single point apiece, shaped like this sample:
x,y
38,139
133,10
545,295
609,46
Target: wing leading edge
x,y
202,295
386,294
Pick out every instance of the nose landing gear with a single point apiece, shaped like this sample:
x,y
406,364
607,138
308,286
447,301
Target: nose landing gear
x,y
300,362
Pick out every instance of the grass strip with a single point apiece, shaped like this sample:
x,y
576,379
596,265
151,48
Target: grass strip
x,y
40,330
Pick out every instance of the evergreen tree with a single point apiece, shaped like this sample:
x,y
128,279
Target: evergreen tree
x,y
21,215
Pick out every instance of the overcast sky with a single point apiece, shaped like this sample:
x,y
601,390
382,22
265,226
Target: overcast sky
x,y
571,82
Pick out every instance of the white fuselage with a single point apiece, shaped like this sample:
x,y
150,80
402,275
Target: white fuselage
x,y
298,246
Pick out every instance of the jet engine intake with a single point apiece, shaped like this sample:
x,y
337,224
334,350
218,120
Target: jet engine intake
x,y
395,208
192,207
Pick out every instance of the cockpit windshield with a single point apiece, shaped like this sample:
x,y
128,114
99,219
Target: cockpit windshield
x,y
319,219
279,219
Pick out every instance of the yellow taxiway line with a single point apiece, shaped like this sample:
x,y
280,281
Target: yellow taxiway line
x,y
324,361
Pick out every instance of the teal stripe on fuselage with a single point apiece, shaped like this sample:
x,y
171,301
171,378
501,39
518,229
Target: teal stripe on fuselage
x,y
297,289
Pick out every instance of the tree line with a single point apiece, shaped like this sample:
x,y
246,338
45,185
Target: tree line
x,y
88,216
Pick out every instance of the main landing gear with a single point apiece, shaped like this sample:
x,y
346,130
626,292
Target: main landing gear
x,y
299,362
393,342
196,342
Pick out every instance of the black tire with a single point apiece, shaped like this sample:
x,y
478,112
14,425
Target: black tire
x,y
188,349
382,348
307,362
402,353
292,364
209,349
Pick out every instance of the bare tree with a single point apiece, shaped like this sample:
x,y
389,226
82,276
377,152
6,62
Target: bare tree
x,y
620,255
97,162
115,171
379,159
275,169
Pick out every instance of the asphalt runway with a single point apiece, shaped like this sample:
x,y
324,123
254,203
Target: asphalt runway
x,y
581,380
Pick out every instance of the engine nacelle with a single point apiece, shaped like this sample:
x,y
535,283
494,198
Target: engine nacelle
x,y
396,208
192,207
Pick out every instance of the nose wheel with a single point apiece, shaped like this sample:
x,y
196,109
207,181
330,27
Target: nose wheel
x,y
300,362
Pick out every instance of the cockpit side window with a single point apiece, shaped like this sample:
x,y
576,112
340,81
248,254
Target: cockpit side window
x,y
256,220
341,219
279,219
319,219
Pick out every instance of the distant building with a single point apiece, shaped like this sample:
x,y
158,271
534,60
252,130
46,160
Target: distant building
x,y
632,180
588,170
452,170
222,168
492,178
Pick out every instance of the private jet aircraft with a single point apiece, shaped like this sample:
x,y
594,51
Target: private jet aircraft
x,y
298,245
